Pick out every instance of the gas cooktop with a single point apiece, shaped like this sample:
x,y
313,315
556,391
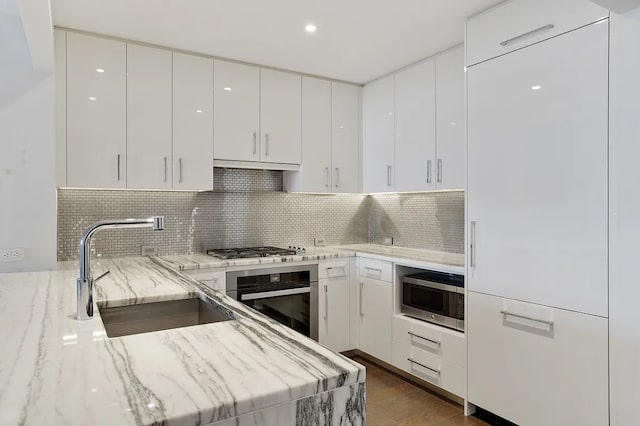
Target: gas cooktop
x,y
249,252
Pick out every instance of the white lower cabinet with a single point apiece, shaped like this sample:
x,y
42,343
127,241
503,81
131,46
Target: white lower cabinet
x,y
431,353
333,304
535,365
374,311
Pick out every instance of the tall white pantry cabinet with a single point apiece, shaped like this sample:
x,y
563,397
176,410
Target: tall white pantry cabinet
x,y
537,206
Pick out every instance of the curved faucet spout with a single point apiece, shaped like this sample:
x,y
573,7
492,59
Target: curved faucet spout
x,y
85,281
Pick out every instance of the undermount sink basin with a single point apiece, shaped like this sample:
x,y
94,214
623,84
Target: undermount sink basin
x,y
155,316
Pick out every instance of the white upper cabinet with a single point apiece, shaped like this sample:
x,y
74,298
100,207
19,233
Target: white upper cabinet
x,y
415,127
192,122
280,117
379,135
148,117
345,134
537,190
60,46
96,112
515,24
451,152
315,172
236,111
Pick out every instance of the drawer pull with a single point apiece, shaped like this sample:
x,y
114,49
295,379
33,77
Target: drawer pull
x,y
379,271
527,34
423,366
435,342
505,312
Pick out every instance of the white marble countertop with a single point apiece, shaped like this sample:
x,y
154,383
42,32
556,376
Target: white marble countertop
x,y
449,262
55,370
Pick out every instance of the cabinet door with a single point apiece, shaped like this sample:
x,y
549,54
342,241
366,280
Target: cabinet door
x,y
537,365
379,136
192,122
148,117
345,134
236,112
60,45
315,173
280,117
375,310
415,127
96,112
537,140
334,313
451,147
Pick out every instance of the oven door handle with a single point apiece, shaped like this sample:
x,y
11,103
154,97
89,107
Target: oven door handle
x,y
275,293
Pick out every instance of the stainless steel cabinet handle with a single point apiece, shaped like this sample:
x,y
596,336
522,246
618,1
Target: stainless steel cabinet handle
x,y
366,268
266,151
547,322
361,290
118,166
423,366
326,302
428,171
337,177
388,175
435,342
255,142
326,177
180,170
472,244
439,170
165,169
527,34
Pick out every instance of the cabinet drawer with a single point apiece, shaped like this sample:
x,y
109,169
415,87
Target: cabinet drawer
x,y
448,344
375,269
333,268
519,23
520,353
211,278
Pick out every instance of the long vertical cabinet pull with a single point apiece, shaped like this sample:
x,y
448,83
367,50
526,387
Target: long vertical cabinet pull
x,y
266,151
472,244
255,142
428,171
326,303
326,177
361,290
165,169
388,175
180,170
337,177
118,166
439,170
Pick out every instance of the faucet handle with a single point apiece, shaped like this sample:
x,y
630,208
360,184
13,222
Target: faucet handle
x,y
158,223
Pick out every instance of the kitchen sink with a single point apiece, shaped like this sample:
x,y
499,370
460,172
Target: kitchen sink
x,y
147,317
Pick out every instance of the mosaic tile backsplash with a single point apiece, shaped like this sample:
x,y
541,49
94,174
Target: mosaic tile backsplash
x,y
247,208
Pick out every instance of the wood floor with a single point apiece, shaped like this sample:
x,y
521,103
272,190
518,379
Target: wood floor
x,y
393,401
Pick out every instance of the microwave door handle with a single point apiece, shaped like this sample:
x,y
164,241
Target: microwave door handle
x,y
275,293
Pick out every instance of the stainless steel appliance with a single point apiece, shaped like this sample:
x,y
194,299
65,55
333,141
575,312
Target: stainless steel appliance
x,y
249,252
437,297
288,294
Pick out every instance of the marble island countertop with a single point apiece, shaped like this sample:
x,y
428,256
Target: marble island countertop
x,y
451,262
55,370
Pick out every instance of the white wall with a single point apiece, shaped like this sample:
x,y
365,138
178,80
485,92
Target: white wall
x,y
624,280
27,148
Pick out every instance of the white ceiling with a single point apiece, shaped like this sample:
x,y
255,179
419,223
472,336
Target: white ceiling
x,y
357,40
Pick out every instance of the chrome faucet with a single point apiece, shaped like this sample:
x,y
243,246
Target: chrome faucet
x,y
85,282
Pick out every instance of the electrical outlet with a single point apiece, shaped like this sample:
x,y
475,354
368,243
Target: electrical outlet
x,y
387,241
319,241
149,250
12,255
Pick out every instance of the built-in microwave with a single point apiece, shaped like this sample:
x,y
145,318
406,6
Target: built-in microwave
x,y
437,297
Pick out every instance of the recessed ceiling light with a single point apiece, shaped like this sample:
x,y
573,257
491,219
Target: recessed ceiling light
x,y
99,70
198,110
453,123
536,87
227,89
91,98
311,28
